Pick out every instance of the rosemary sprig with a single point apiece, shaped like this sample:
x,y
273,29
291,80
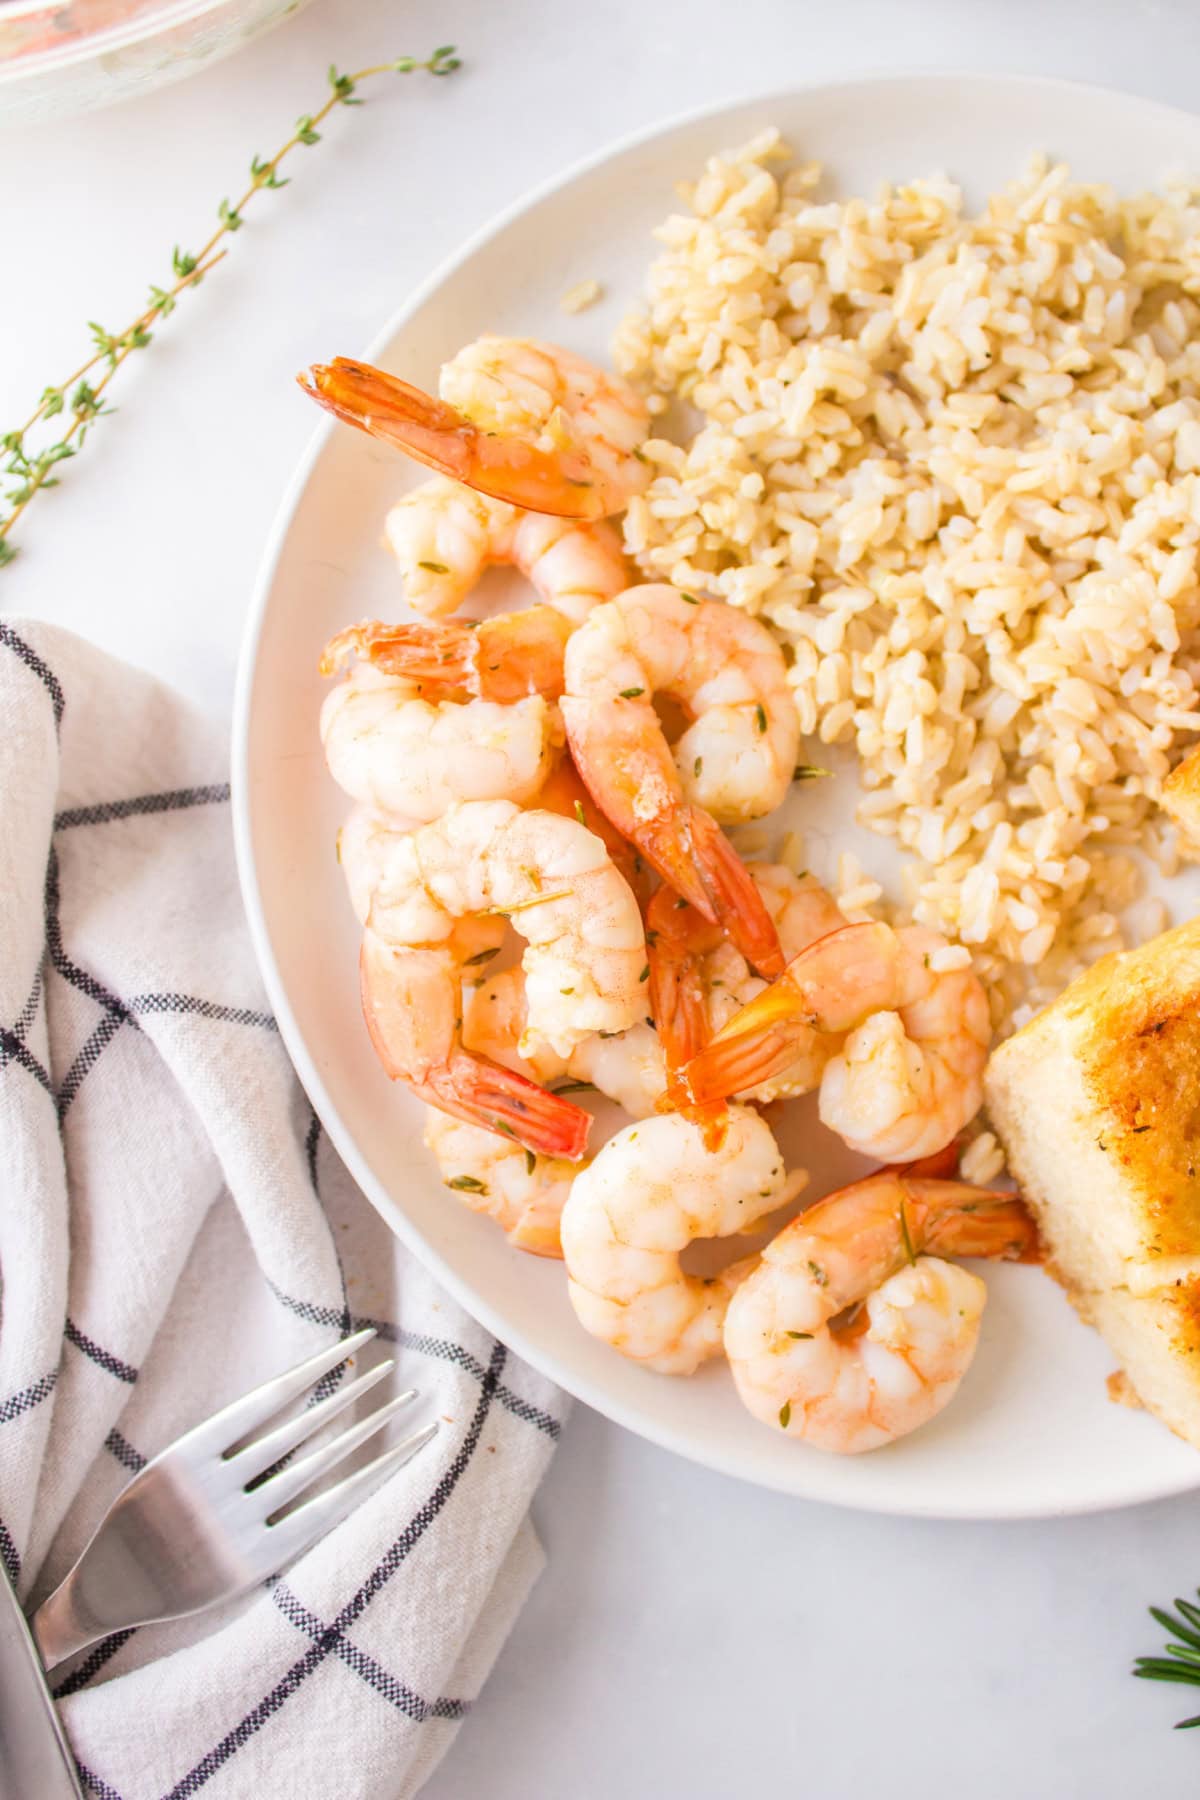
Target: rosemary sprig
x,y
1182,1661
82,399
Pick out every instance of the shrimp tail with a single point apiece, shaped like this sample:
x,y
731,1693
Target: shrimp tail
x,y
760,1041
829,986
733,898
440,656
466,1086
678,1005
438,435
503,659
666,843
942,1165
984,1222
386,407
484,1093
693,856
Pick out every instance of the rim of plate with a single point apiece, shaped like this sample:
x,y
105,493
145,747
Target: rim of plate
x,y
708,1455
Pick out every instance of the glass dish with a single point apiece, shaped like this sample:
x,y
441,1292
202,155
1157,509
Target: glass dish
x,y
66,56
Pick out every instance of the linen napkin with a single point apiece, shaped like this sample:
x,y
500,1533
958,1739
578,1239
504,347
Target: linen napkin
x,y
174,1227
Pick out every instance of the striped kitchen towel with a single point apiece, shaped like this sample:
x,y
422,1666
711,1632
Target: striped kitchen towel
x,y
174,1227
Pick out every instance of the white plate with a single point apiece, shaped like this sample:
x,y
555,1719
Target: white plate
x,y
1032,1431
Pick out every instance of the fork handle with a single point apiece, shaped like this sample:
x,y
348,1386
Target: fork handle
x,y
59,1630
35,1758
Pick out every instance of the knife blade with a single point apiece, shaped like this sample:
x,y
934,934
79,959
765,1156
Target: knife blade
x,y
35,1758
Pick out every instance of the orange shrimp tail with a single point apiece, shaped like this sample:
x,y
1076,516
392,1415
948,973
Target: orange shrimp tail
x,y
482,1092
385,407
442,657
760,1041
677,937
425,428
734,900
437,656
983,1221
503,659
693,856
341,647
521,653
941,1165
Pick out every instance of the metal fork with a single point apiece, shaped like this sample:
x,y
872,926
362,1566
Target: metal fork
x,y
205,1519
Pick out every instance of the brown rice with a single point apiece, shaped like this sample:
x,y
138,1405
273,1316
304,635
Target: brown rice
x,y
954,459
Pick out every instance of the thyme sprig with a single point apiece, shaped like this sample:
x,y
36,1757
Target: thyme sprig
x,y
1182,1661
81,395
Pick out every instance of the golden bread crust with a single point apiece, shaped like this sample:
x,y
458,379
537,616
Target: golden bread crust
x,y
1181,795
1135,1031
1097,1101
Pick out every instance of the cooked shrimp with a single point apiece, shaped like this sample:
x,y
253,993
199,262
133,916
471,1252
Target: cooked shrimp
x,y
563,792
364,845
891,1367
910,1074
626,1066
524,422
427,720
650,1192
503,659
485,861
444,536
699,981
524,1193
726,671
365,837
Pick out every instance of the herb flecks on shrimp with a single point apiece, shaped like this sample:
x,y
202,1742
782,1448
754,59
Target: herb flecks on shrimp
x,y
852,1330
727,673
436,899
492,1174
699,981
627,1066
417,725
444,536
652,1190
910,1074
524,422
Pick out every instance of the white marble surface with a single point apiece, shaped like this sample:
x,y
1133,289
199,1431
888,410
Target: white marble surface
x,y
692,1637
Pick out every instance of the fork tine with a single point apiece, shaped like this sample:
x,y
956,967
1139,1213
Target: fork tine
x,y
305,1524
274,1493
214,1435
254,1458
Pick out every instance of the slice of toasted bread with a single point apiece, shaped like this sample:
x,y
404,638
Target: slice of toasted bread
x,y
1181,799
1097,1101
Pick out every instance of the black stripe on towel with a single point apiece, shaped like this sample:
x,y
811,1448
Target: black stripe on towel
x,y
13,1050
207,1009
41,669
28,1398
123,1450
94,1784
396,1692
10,1556
175,800
104,1359
13,1047
93,1662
